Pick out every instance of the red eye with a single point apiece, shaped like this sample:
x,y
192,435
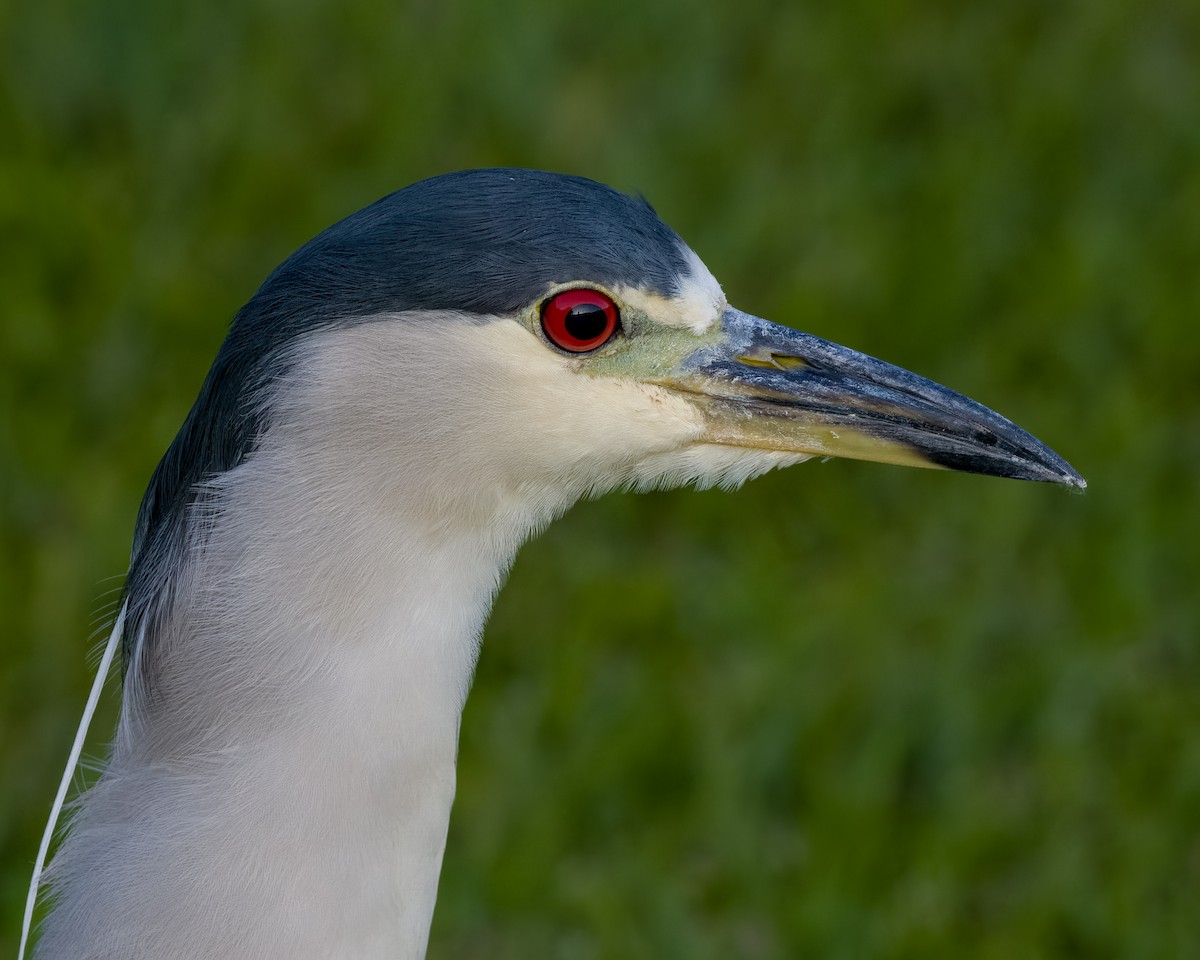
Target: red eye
x,y
579,320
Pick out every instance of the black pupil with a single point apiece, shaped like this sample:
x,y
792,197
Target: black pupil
x,y
587,321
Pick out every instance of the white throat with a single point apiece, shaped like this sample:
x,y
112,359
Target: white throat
x,y
292,769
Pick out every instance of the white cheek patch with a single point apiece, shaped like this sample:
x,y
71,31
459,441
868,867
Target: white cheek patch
x,y
429,399
697,306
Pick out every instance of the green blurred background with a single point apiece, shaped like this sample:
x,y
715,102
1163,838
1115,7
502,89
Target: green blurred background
x,y
848,711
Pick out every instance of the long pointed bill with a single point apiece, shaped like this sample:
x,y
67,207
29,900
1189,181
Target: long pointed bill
x,y
770,387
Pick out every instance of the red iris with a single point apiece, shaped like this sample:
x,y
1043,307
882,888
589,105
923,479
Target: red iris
x,y
579,320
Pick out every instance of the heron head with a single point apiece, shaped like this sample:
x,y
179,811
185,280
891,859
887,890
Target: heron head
x,y
555,333
505,334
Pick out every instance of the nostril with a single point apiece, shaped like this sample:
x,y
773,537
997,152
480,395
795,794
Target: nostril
x,y
785,361
775,361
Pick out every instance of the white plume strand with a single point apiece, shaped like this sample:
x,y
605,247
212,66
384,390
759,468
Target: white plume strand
x,y
89,711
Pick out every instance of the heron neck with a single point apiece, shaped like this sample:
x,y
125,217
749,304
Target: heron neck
x,y
284,787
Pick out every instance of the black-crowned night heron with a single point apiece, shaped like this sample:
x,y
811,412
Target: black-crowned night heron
x,y
402,402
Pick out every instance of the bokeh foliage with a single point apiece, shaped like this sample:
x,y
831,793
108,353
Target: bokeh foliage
x,y
849,711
